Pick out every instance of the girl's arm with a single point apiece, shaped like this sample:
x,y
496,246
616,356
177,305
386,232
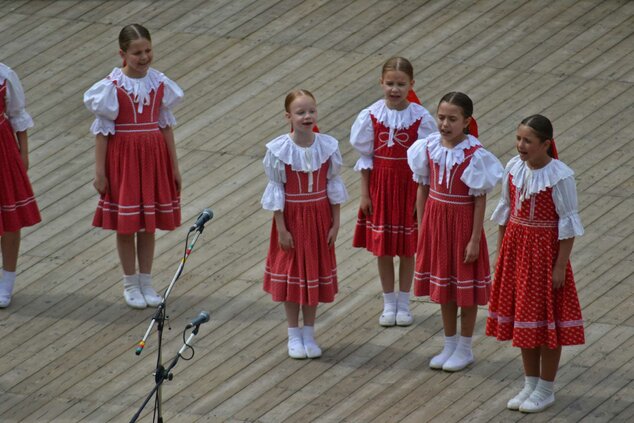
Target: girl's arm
x,y
334,230
284,237
559,270
366,202
473,247
101,181
421,199
168,135
23,145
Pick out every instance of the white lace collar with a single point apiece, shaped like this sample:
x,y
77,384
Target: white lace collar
x,y
532,181
445,157
140,88
396,120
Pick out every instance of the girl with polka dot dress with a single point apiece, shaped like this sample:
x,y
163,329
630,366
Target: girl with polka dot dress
x,y
454,173
534,301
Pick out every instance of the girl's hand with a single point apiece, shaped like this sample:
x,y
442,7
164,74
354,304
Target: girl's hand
x,y
285,239
332,236
559,277
101,184
471,252
366,205
25,159
178,181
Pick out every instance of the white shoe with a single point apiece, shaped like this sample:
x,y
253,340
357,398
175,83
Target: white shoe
x,y
5,300
404,318
515,402
296,348
312,349
6,291
387,318
152,298
438,361
132,292
458,360
534,403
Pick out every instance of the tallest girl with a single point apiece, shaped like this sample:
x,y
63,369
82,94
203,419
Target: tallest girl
x,y
386,225
136,171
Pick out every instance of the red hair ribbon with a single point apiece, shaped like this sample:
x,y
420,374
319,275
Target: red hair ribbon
x,y
412,97
553,150
473,127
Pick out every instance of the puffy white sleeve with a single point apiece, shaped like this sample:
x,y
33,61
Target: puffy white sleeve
x,y
427,126
336,189
565,199
273,197
502,212
418,161
362,139
101,100
483,173
16,103
172,96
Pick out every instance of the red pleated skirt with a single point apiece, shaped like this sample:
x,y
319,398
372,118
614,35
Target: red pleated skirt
x,y
18,208
142,194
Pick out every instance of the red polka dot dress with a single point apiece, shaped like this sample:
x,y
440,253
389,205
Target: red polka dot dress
x,y
382,136
303,183
141,195
18,208
455,176
539,208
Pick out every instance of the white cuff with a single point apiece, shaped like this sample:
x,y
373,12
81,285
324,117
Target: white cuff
x,y
273,197
337,193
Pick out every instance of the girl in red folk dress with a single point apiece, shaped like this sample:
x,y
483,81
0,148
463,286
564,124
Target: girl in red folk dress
x,y
136,168
304,193
454,173
386,224
17,203
534,300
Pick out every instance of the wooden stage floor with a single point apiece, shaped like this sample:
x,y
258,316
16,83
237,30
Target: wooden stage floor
x,y
67,349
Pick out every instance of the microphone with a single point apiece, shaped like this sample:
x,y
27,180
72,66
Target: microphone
x,y
203,218
203,317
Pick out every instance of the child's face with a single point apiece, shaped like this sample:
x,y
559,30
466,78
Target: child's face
x,y
530,147
302,114
396,84
138,57
451,123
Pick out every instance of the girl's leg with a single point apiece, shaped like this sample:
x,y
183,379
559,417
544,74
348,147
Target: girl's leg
x,y
308,332
145,253
530,358
295,343
543,395
10,244
405,279
386,274
127,255
449,313
463,354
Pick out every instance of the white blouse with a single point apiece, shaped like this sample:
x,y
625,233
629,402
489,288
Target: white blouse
x,y
101,98
481,175
15,101
527,181
282,151
362,132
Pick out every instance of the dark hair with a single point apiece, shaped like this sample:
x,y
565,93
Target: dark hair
x,y
464,102
398,64
132,32
542,127
293,95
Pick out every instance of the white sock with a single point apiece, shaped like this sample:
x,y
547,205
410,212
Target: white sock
x,y
403,301
8,280
294,333
310,345
530,382
130,281
464,344
543,390
389,302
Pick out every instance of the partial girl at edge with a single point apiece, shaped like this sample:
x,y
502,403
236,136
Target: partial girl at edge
x,y
18,208
455,173
304,193
136,168
386,224
534,300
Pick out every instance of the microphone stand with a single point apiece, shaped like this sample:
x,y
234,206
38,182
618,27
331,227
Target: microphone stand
x,y
159,319
165,373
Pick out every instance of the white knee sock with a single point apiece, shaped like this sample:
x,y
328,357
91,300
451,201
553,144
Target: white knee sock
x,y
402,303
389,302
